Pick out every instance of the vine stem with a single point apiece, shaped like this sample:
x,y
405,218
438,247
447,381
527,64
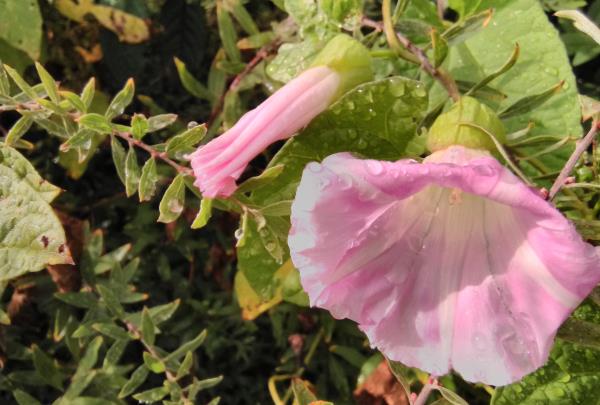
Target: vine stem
x,y
581,146
417,55
154,153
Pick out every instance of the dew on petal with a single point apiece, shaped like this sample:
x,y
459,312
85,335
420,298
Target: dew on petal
x,y
375,167
315,167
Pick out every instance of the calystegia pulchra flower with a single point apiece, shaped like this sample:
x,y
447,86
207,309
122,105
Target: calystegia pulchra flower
x,y
341,65
452,263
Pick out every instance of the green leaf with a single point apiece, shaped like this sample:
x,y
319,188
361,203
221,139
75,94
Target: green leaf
x,y
227,34
139,126
21,25
148,180
464,8
132,172
137,378
523,22
440,48
87,94
172,203
75,101
118,155
112,331
19,129
113,355
302,393
81,299
261,180
4,83
83,376
120,101
152,395
48,82
148,333
111,301
46,368
185,141
293,58
204,213
96,122
24,398
400,371
186,365
21,83
31,236
187,347
160,121
200,385
190,83
243,17
376,120
350,354
153,364
83,139
451,397
529,103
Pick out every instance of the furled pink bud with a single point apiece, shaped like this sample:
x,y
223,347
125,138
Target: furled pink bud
x,y
343,64
453,263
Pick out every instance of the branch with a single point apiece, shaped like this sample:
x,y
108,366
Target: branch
x,y
418,57
426,391
154,153
580,147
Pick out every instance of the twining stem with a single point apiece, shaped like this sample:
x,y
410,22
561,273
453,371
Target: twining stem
x,y
581,146
154,153
409,51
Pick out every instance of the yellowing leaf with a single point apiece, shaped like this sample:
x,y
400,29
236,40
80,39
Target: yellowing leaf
x,y
128,27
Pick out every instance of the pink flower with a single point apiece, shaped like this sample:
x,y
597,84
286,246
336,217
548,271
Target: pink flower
x,y
449,264
218,164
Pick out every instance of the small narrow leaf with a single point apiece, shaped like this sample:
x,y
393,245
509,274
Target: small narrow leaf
x,y
451,397
190,83
45,367
152,395
160,121
187,347
75,101
227,34
185,141
137,378
121,100
87,94
148,180
48,82
503,69
529,103
19,129
204,214
111,301
132,173
4,83
21,83
82,139
148,334
153,364
118,155
24,398
96,122
302,393
186,364
139,126
261,180
112,331
113,355
172,203
244,18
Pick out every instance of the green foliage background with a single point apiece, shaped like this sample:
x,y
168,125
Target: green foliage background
x,y
177,300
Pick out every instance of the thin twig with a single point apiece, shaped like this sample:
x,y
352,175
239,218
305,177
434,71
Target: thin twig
x,y
260,55
438,74
425,392
581,146
154,153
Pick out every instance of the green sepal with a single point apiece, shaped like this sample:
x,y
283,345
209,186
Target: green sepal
x,y
468,123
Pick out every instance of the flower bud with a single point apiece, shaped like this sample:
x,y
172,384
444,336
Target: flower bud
x,y
468,123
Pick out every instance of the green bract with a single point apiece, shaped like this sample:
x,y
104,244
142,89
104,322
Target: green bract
x,y
468,123
349,58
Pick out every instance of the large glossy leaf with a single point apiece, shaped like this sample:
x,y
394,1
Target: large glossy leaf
x,y
571,376
21,25
543,63
31,235
376,119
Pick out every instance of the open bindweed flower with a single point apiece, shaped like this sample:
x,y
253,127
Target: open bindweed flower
x,y
341,65
453,263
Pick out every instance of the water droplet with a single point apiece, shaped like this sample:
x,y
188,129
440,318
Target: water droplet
x,y
479,342
323,183
239,233
374,167
484,170
315,167
397,89
556,392
345,181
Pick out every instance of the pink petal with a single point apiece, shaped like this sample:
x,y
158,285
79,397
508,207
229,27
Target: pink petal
x,y
449,264
218,164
